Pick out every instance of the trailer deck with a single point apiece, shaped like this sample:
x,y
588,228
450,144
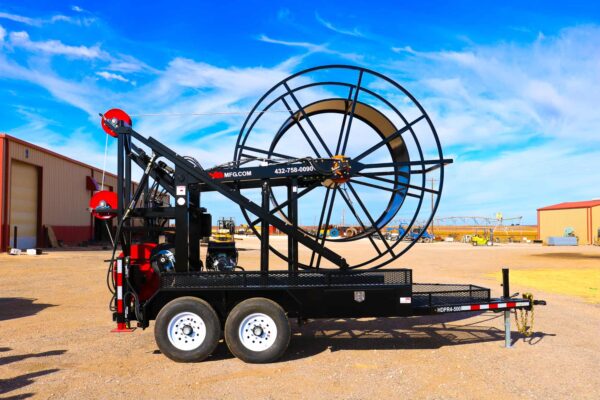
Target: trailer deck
x,y
350,288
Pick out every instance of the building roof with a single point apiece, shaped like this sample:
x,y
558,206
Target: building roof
x,y
33,146
571,204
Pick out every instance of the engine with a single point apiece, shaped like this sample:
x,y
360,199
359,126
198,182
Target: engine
x,y
221,256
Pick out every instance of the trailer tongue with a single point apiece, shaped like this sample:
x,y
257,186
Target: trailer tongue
x,y
355,146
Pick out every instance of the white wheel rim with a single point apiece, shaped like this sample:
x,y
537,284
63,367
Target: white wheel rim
x,y
258,332
186,331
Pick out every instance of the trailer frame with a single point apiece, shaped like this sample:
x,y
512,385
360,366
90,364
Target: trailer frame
x,y
303,294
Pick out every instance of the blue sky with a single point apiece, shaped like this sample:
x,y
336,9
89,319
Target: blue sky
x,y
513,88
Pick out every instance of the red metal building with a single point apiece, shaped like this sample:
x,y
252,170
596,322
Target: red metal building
x,y
580,217
40,189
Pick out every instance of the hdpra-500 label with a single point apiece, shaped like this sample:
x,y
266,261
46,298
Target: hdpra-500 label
x,y
447,309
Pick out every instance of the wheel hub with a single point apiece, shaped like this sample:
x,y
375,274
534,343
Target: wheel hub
x,y
187,330
257,331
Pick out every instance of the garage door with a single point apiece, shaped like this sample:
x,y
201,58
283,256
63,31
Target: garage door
x,y
23,204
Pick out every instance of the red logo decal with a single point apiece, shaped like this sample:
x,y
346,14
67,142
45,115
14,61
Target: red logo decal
x,y
216,174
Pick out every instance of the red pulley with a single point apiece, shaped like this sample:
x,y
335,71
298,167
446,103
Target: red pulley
x,y
115,115
101,202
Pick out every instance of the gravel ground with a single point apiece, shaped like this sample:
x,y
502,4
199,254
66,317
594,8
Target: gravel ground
x,y
55,341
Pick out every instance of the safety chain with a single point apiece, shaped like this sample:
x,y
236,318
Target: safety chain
x,y
522,317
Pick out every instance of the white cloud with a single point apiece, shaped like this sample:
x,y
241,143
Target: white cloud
x,y
51,20
55,47
126,64
77,9
21,19
350,32
405,49
306,45
187,87
312,47
109,76
72,20
74,93
123,63
60,17
2,34
548,88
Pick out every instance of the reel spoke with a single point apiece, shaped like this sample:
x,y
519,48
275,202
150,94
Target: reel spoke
x,y
360,75
328,219
281,206
339,143
369,217
382,173
372,185
266,152
312,146
406,185
305,116
319,227
351,207
436,163
396,134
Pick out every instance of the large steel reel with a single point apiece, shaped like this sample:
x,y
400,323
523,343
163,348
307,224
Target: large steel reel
x,y
364,116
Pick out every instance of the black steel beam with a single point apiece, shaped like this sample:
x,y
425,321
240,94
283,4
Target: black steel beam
x,y
198,174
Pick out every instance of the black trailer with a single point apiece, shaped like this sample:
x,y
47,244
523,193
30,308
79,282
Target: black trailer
x,y
160,275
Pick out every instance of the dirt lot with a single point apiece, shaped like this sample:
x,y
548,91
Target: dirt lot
x,y
55,340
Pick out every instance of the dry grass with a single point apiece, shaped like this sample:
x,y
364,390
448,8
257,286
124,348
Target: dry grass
x,y
580,282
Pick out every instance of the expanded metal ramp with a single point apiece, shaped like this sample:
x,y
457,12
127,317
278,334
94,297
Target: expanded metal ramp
x,y
428,295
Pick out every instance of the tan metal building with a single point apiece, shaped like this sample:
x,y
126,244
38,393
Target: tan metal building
x,y
581,216
41,189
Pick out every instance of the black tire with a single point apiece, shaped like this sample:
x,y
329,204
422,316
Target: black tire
x,y
178,308
253,307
